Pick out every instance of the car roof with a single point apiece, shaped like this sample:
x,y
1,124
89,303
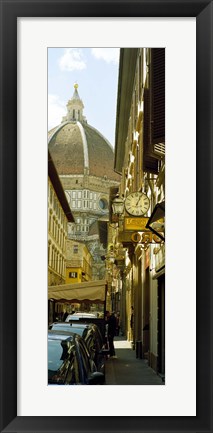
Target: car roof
x,y
74,325
82,313
60,335
79,316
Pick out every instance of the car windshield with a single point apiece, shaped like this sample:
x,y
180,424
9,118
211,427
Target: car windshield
x,y
80,331
67,328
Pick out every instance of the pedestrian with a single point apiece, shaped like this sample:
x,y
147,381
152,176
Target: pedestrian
x,y
106,339
132,318
65,316
118,323
111,322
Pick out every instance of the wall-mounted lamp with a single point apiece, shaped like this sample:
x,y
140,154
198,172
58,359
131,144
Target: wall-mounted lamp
x,y
118,205
156,220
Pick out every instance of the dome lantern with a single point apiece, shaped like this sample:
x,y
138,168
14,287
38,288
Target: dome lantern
x,y
75,108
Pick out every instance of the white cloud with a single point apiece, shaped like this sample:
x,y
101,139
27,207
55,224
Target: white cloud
x,y
56,110
109,55
72,60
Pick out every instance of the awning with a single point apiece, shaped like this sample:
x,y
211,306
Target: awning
x,y
92,291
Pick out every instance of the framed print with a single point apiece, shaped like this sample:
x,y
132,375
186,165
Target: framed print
x,y
25,406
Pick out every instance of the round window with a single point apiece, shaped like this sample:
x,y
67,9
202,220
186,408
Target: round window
x,y
103,204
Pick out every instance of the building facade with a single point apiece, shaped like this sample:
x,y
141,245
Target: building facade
x,y
59,214
78,263
140,232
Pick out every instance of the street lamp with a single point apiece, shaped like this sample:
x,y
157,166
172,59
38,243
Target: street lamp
x,y
118,205
156,220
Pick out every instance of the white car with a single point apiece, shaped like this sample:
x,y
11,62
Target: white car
x,y
80,315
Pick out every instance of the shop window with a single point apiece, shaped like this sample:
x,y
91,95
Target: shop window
x,y
73,274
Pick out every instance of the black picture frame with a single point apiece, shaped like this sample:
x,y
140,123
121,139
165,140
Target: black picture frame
x,y
10,11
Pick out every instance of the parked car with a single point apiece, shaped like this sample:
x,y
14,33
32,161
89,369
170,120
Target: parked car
x,y
92,337
69,362
78,315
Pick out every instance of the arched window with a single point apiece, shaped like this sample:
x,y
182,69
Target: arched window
x,y
50,222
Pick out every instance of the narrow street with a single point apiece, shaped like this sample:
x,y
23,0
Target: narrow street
x,y
126,369
106,212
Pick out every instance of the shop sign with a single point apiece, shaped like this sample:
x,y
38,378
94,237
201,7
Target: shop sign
x,y
135,223
138,237
145,238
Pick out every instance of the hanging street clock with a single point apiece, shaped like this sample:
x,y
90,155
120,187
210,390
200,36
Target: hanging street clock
x,y
137,203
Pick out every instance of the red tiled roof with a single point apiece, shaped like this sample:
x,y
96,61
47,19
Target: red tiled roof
x,y
66,148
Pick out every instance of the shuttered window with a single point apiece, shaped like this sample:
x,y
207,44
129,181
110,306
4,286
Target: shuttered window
x,y
150,163
158,96
154,113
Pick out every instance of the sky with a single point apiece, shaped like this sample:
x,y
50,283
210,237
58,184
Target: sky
x,y
95,70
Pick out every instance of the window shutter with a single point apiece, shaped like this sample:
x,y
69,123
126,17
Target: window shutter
x,y
158,96
150,163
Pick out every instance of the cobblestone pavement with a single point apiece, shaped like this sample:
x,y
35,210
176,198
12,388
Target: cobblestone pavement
x,y
126,369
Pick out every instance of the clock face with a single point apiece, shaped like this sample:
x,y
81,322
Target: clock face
x,y
137,203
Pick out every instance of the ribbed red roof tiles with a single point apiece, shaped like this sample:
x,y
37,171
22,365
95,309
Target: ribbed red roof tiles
x,y
67,148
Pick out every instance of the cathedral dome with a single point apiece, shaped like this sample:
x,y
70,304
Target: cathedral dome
x,y
84,160
78,148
